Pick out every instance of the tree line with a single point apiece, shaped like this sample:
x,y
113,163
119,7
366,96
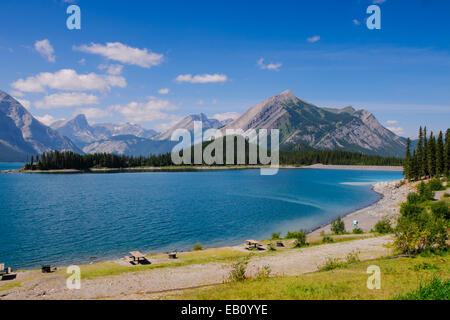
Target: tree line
x,y
58,160
430,159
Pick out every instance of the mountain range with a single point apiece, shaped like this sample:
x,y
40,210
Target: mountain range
x,y
22,135
302,125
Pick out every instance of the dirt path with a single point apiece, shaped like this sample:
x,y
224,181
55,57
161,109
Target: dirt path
x,y
138,284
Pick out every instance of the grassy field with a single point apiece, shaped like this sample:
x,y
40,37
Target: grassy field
x,y
398,277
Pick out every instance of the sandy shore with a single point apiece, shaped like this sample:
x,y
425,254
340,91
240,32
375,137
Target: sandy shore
x,y
393,194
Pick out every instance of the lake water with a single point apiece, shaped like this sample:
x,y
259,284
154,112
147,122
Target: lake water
x,y
64,219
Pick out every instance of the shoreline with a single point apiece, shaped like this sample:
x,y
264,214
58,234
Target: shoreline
x,y
368,216
210,168
392,193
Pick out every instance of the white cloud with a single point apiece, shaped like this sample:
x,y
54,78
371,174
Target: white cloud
x,y
64,100
138,112
202,78
164,91
313,39
68,79
200,102
226,116
17,93
356,22
45,49
93,113
82,61
391,122
120,52
270,66
378,1
397,130
25,103
114,69
47,119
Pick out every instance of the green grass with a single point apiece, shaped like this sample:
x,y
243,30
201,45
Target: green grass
x,y
398,278
5,285
436,289
110,268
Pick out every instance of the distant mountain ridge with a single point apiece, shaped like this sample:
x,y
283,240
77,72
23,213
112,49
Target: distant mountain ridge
x,y
22,135
82,133
188,124
301,122
303,127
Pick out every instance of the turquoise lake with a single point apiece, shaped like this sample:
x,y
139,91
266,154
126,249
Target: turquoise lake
x,y
63,219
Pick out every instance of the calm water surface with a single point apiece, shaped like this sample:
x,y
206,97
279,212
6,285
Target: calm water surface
x,y
77,218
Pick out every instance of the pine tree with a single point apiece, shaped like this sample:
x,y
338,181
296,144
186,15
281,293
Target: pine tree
x,y
440,155
424,161
447,153
407,166
431,155
420,153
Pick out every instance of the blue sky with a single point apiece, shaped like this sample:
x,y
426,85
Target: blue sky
x,y
152,62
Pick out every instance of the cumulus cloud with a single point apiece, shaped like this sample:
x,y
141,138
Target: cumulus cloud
x,y
269,66
120,52
164,91
25,103
64,100
391,122
226,116
202,78
93,113
45,49
69,79
153,109
47,119
313,39
114,69
397,130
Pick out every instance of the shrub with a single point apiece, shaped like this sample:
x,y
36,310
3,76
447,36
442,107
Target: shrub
x,y
352,257
327,239
332,264
197,247
357,231
424,232
436,184
338,226
446,195
425,191
441,209
300,236
238,271
264,272
411,210
383,226
413,198
276,235
436,289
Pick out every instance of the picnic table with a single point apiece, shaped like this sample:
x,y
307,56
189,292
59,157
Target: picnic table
x,y
138,258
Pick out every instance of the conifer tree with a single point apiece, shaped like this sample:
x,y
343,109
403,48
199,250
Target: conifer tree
x,y
420,153
424,164
447,153
431,155
439,155
408,162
